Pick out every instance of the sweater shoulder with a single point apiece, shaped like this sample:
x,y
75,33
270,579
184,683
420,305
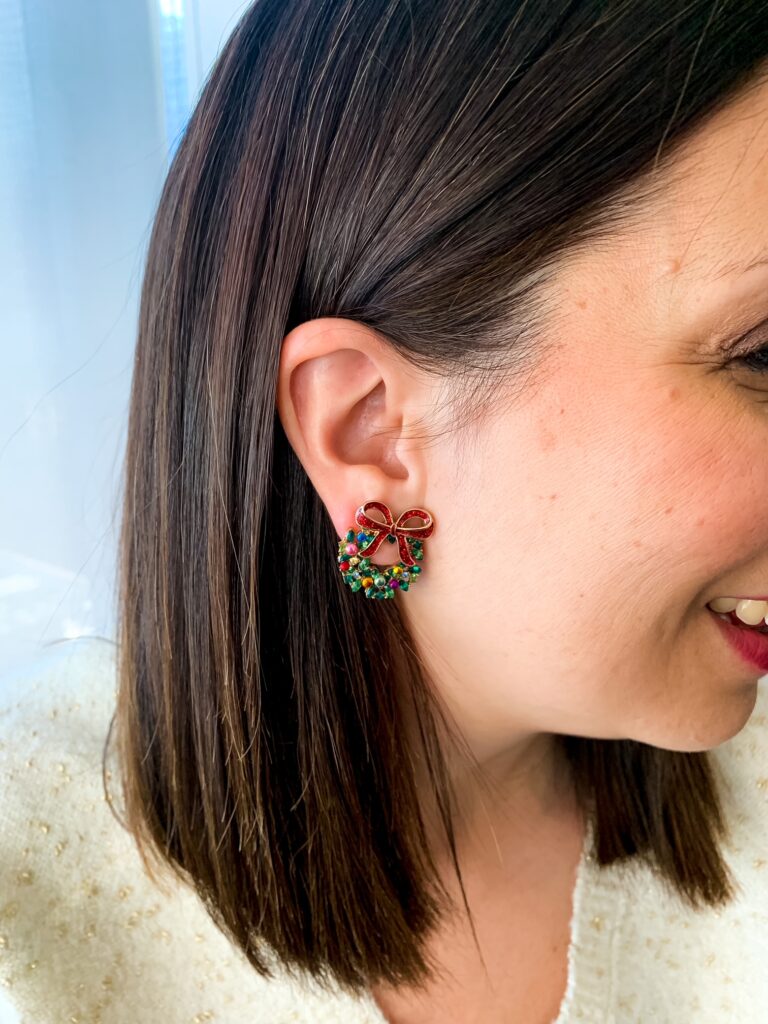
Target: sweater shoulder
x,y
84,931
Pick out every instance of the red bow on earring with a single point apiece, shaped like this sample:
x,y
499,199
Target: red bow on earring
x,y
393,529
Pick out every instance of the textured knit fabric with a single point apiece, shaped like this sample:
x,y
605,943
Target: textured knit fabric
x,y
87,938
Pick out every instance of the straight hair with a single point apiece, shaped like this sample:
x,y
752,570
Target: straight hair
x,y
423,169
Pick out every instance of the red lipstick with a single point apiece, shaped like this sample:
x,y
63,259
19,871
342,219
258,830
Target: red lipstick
x,y
748,642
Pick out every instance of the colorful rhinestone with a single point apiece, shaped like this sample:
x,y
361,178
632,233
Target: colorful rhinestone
x,y
383,581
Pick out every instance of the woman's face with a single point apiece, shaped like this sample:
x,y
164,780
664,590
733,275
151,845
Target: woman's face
x,y
566,583
581,532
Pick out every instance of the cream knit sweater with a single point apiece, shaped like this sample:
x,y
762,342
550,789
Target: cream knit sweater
x,y
85,937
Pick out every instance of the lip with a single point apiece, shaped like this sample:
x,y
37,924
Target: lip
x,y
752,646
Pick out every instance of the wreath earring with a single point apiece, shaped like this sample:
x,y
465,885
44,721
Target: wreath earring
x,y
364,539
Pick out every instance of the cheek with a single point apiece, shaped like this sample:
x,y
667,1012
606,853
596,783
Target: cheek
x,y
616,508
551,510
609,492
705,481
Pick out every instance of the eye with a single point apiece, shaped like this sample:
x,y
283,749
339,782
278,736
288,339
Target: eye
x,y
756,361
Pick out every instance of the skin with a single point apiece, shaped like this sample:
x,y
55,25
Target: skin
x,y
624,492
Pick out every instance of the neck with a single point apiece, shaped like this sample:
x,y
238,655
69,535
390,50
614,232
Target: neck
x,y
511,795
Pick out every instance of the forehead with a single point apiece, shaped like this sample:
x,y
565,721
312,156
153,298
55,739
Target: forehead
x,y
712,220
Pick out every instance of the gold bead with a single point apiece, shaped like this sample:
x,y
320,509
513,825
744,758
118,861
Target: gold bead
x,y
367,582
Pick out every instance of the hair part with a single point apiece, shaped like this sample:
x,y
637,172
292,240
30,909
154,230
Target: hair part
x,y
422,169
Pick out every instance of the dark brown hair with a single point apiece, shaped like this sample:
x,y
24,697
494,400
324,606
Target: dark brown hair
x,y
419,168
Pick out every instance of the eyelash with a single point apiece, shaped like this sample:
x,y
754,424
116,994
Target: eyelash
x,y
760,354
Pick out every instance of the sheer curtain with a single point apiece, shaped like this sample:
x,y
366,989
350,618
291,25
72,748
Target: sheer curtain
x,y
93,98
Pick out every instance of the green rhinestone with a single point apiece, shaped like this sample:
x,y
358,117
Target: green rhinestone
x,y
416,569
355,584
365,563
380,580
403,586
350,534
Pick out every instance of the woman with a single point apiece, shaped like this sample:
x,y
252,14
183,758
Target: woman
x,y
489,280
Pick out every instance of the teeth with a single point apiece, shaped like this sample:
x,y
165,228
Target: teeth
x,y
751,613
723,604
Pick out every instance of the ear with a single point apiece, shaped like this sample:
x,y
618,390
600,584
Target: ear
x,y
347,403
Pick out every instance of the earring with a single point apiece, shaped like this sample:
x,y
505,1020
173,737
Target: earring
x,y
382,581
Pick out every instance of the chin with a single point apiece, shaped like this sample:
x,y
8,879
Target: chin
x,y
709,727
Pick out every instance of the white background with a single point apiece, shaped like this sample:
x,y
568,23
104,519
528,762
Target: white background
x,y
93,95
